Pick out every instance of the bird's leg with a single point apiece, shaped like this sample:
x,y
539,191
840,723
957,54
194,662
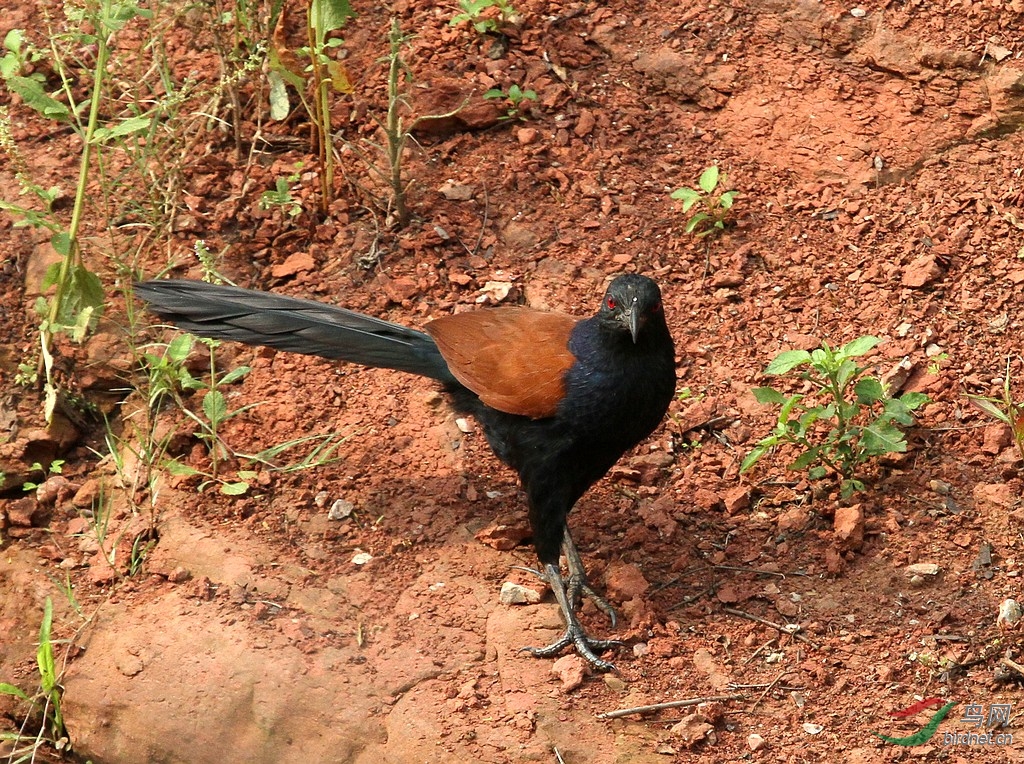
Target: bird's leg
x,y
574,633
577,586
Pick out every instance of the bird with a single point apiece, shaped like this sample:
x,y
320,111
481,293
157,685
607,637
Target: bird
x,y
559,398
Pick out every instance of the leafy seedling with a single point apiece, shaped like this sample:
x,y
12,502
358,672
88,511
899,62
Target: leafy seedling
x,y
848,420
712,204
515,98
478,14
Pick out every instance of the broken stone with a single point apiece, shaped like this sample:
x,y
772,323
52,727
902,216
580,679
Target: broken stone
x,y
502,537
517,594
755,742
848,527
340,510
570,669
691,729
922,272
624,581
456,192
923,569
1010,614
299,262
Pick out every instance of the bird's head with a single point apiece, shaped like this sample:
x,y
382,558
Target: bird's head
x,y
630,304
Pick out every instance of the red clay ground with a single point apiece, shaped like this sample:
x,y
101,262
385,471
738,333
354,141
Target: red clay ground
x,y
879,163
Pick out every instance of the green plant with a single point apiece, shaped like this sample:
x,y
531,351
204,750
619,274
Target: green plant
x,y
55,468
515,98
46,702
282,197
714,205
476,13
325,75
397,131
1005,410
837,432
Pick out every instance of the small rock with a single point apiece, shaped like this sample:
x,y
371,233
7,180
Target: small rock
x,y
52,488
736,500
340,510
299,262
755,742
793,520
848,527
585,123
727,279
858,13
179,575
812,729
361,558
996,438
922,272
129,665
526,136
517,594
998,496
613,682
23,512
502,537
464,425
923,569
1009,614
87,495
625,582
691,729
456,192
570,669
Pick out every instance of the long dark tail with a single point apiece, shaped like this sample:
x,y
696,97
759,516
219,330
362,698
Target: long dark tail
x,y
288,323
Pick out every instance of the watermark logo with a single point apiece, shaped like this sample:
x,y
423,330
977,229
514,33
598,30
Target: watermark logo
x,y
998,716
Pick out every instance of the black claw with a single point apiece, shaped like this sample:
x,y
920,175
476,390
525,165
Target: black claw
x,y
585,646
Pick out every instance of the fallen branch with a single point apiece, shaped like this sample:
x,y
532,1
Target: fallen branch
x,y
670,704
768,689
784,629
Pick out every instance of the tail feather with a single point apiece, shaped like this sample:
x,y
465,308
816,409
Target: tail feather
x,y
294,325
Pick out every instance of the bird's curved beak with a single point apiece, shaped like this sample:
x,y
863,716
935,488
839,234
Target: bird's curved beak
x,y
634,321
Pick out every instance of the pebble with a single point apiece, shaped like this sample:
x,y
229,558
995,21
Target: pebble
x,y
517,594
1009,614
858,13
755,742
340,510
923,569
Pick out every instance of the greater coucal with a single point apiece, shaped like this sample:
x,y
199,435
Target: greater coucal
x,y
559,399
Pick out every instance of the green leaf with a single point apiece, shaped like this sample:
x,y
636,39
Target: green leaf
x,y
215,406
726,199
179,348
817,473
787,361
234,489
10,689
806,459
846,371
709,179
768,396
695,221
848,487
328,15
178,469
914,400
125,127
686,194
234,375
882,437
859,346
869,390
754,456
988,406
32,93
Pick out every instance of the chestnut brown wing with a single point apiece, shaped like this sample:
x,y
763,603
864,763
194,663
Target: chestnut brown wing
x,y
515,359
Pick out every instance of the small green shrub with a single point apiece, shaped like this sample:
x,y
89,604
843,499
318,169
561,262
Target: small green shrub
x,y
515,97
712,205
837,432
474,12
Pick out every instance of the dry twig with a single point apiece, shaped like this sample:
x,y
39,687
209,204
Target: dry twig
x,y
780,627
670,704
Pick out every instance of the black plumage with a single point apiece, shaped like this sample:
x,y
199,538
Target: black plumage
x,y
560,400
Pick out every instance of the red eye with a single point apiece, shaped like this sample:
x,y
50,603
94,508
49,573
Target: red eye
x,y
610,302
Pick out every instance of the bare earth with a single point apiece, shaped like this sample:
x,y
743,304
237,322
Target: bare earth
x,y
879,161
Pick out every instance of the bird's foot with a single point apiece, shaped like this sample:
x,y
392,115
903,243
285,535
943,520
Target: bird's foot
x,y
586,647
576,588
